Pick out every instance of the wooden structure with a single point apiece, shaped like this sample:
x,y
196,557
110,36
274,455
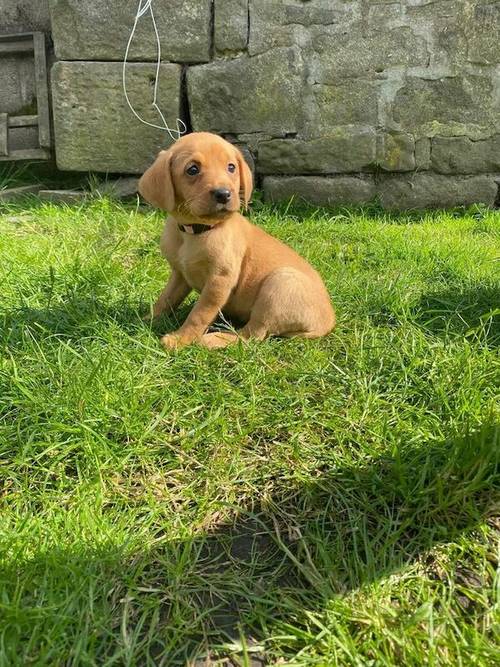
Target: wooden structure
x,y
30,42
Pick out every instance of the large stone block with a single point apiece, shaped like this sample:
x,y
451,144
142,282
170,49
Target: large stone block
x,y
344,102
94,128
448,106
429,190
92,30
260,94
423,153
444,24
460,155
450,44
24,16
230,25
276,23
353,53
396,151
484,32
320,190
344,149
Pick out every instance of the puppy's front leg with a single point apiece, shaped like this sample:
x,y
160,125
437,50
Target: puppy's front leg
x,y
172,295
212,299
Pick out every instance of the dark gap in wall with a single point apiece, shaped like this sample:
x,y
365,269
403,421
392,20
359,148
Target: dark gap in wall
x,y
496,203
184,109
184,62
248,23
212,30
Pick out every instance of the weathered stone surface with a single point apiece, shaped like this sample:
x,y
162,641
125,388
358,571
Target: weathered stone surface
x,y
396,151
384,15
94,128
433,8
276,23
23,138
121,188
24,16
484,32
63,196
230,25
260,94
17,85
320,190
460,155
443,23
423,153
90,30
354,54
11,194
429,190
344,102
448,106
345,149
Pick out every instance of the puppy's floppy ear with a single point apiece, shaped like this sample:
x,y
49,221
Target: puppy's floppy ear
x,y
246,178
156,184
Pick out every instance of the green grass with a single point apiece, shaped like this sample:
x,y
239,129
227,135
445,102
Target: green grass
x,y
330,502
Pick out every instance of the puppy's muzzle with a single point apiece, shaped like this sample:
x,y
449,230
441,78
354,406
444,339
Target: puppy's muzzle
x,y
221,195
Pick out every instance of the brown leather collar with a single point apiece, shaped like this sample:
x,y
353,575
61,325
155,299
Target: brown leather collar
x,y
195,229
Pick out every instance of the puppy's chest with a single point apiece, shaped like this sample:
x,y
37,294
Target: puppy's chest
x,y
195,264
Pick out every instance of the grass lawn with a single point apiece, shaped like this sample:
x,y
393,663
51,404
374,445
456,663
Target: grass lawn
x,y
330,502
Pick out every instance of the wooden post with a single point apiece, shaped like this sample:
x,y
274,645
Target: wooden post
x,y
42,92
4,133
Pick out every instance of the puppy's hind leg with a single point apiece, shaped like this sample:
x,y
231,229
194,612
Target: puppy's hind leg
x,y
290,303
221,339
218,339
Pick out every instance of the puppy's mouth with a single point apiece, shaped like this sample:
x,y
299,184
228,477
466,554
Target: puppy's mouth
x,y
218,211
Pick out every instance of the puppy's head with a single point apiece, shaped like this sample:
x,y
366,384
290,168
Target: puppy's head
x,y
200,176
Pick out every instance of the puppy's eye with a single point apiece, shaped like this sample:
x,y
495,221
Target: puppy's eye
x,y
231,168
193,170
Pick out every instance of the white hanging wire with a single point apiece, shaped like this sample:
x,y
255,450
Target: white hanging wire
x,y
142,9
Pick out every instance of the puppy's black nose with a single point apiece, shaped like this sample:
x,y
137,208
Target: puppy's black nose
x,y
221,195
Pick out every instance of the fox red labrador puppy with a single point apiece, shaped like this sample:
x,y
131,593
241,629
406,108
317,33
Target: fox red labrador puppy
x,y
202,181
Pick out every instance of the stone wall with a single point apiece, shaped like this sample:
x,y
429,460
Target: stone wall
x,y
337,101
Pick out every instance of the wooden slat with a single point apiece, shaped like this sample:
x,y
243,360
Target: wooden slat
x,y
42,91
4,143
15,47
23,121
17,36
27,154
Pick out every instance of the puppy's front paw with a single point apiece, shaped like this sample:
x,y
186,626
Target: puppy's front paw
x,y
152,314
171,342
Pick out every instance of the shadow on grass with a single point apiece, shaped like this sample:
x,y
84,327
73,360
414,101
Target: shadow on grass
x,y
290,553
82,317
86,316
474,312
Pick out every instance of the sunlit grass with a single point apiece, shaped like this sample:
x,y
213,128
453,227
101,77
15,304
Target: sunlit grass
x,y
330,502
